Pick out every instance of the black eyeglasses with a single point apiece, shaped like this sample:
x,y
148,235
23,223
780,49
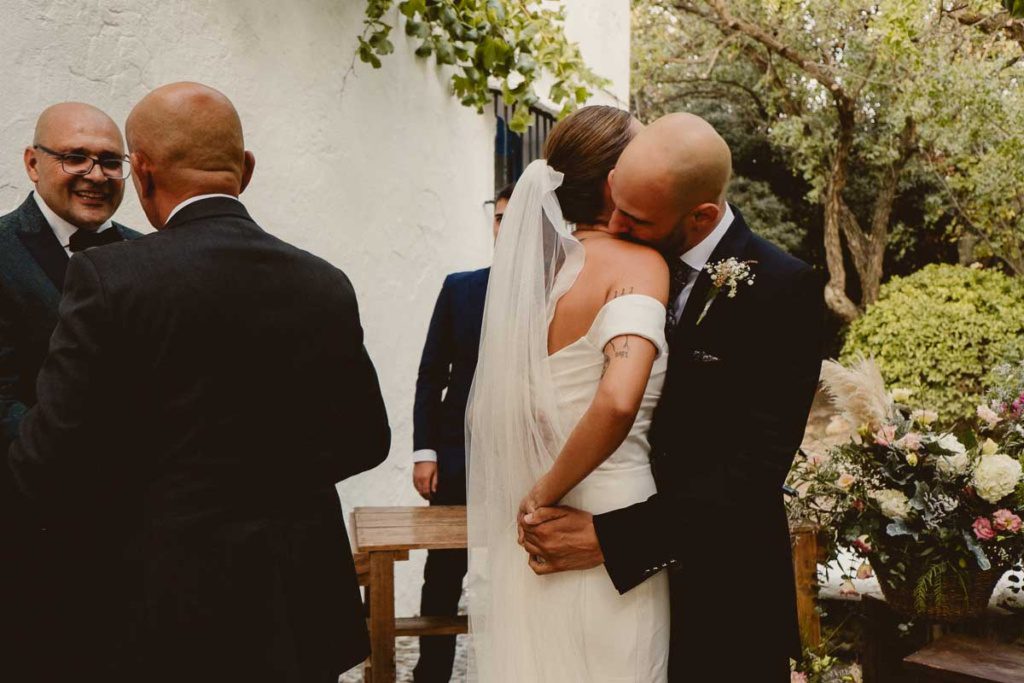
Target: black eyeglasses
x,y
115,168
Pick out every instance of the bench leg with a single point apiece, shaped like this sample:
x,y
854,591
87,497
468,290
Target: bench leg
x,y
382,617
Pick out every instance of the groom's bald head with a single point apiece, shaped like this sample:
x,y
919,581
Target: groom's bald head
x,y
185,140
669,184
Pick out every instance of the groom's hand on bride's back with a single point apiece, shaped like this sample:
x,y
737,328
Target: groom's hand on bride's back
x,y
560,539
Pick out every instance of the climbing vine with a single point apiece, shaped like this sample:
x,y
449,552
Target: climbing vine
x,y
506,44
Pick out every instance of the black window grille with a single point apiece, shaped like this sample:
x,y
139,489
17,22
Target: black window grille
x,y
513,152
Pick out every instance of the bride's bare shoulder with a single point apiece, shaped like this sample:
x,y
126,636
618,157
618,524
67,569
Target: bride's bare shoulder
x,y
630,266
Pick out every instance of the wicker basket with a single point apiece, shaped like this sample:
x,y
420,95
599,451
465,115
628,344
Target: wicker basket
x,y
956,603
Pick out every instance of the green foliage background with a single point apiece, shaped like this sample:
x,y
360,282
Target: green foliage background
x,y
511,42
939,332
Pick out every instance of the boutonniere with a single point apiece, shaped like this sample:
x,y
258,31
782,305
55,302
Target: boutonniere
x,y
728,274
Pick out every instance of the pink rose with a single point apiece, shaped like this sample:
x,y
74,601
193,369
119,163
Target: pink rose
x,y
847,588
1017,407
1004,520
846,480
864,571
910,442
886,435
797,677
983,529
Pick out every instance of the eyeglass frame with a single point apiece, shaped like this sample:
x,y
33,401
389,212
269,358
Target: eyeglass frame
x,y
125,162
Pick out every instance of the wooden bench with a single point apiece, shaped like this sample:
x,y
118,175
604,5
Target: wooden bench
x,y
383,536
967,659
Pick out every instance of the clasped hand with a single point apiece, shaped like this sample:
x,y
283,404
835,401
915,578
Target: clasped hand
x,y
557,538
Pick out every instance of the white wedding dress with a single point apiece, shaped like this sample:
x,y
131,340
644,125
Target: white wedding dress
x,y
572,627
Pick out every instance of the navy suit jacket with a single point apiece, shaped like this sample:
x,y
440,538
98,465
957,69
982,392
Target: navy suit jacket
x,y
447,367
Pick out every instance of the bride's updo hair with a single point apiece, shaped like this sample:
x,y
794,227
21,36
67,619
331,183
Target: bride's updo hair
x,y
585,147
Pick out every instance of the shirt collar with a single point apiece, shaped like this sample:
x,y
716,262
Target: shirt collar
x,y
193,200
62,228
698,255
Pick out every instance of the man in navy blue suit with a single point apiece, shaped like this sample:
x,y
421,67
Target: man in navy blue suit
x,y
439,439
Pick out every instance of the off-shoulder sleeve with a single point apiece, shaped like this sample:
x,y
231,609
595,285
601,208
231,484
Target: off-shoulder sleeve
x,y
635,314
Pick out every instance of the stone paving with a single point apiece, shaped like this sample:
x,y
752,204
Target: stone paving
x,y
406,653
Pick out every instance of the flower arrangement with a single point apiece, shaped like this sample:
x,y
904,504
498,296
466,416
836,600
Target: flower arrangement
x,y
930,511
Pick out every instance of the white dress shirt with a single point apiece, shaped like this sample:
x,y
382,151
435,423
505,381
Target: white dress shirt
x,y
193,200
61,228
424,455
698,256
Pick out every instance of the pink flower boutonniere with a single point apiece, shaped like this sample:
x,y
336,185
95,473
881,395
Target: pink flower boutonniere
x,y
728,274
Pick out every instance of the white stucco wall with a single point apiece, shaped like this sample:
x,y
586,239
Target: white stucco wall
x,y
383,173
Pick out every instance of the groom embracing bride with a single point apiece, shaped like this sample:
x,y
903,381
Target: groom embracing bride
x,y
705,401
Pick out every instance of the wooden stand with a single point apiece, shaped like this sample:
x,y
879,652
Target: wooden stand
x,y
383,536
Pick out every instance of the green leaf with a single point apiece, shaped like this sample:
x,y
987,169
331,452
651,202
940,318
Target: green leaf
x,y
521,119
417,29
492,51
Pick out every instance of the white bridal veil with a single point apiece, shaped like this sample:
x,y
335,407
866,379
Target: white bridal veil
x,y
513,434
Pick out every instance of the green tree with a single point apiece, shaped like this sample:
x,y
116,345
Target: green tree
x,y
847,91
511,42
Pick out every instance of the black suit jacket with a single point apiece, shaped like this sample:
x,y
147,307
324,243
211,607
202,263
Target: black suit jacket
x,y
46,585
448,363
731,417
206,386
32,266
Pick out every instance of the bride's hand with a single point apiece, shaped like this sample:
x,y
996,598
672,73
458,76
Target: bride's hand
x,y
529,504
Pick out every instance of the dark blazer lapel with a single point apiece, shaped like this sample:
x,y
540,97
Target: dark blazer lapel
x,y
733,244
38,239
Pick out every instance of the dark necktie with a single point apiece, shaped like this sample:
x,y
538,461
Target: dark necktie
x,y
679,274
83,239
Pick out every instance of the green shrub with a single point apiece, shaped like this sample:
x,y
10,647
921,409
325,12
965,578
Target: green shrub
x,y
940,332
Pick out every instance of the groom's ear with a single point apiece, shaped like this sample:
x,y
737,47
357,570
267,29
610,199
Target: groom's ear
x,y
706,216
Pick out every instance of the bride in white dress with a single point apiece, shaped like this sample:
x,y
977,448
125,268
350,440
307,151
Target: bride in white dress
x,y
572,361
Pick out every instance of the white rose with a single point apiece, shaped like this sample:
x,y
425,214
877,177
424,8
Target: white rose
x,y
990,447
892,502
924,417
950,443
952,465
996,476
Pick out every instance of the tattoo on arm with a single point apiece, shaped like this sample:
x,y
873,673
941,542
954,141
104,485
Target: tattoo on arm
x,y
622,352
616,352
616,293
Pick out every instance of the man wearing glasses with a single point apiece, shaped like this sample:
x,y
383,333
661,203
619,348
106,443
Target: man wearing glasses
x,y
78,166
